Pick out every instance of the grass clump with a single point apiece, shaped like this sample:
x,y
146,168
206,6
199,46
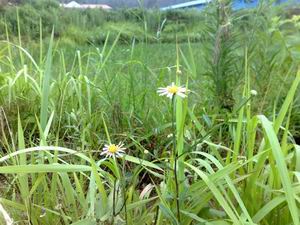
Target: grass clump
x,y
86,138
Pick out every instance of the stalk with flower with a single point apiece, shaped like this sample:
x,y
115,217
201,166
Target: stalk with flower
x,y
172,91
112,151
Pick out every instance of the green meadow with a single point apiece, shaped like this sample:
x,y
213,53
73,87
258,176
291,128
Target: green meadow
x,y
86,138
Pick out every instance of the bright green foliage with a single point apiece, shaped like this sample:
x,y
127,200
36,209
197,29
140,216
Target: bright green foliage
x,y
226,154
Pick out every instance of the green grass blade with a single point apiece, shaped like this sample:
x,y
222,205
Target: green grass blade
x,y
283,172
219,197
46,85
288,100
53,168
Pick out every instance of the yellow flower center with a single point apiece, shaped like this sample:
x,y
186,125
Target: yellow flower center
x,y
113,148
173,89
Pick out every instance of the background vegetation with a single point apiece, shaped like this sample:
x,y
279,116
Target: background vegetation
x,y
93,80
90,26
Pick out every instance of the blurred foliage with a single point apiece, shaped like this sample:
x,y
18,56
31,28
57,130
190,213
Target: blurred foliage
x,y
95,23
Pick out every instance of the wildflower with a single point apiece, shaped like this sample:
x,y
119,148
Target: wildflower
x,y
253,92
113,150
170,135
146,151
172,90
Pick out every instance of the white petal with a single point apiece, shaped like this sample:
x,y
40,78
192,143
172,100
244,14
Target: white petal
x,y
103,153
181,95
161,91
170,95
162,94
119,155
182,89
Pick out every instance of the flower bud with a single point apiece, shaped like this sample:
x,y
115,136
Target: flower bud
x,y
253,92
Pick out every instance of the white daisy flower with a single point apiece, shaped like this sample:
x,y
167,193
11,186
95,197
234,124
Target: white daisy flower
x,y
113,150
172,90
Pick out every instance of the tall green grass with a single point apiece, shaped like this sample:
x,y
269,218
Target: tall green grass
x,y
188,161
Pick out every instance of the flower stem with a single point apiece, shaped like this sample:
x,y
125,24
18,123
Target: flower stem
x,y
115,163
114,202
124,191
175,155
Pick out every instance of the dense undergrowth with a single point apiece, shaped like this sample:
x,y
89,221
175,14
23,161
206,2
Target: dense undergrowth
x,y
89,27
228,153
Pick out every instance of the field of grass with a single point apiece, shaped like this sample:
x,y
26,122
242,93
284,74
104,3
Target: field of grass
x,y
226,153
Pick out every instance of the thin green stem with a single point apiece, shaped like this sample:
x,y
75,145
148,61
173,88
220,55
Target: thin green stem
x,y
124,191
114,187
175,155
114,200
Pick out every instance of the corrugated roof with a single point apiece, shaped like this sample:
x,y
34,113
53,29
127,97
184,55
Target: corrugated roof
x,y
74,4
186,4
102,6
